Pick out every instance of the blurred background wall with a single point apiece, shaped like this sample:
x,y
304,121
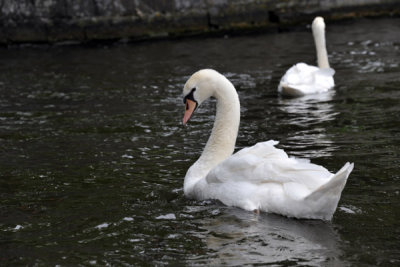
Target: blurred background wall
x,y
50,21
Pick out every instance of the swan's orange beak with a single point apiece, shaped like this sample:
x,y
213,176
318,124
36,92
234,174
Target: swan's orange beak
x,y
190,106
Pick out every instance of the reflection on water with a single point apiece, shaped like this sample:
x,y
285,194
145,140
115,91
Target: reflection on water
x,y
307,112
237,237
93,152
311,109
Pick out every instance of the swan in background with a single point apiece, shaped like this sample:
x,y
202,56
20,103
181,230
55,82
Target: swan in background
x,y
255,178
303,79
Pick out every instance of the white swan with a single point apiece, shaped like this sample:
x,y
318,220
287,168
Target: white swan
x,y
256,178
303,79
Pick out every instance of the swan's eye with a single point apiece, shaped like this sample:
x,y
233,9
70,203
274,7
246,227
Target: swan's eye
x,y
187,106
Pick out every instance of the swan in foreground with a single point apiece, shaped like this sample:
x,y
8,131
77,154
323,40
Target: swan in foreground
x,y
257,178
303,79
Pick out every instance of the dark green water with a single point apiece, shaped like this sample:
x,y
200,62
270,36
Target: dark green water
x,y
93,153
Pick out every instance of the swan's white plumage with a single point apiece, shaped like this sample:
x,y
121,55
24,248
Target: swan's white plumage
x,y
302,79
263,163
260,177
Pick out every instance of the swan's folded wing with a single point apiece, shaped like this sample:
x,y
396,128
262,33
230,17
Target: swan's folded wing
x,y
263,163
329,72
299,74
302,79
323,79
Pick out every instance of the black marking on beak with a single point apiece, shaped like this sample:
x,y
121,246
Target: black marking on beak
x,y
189,96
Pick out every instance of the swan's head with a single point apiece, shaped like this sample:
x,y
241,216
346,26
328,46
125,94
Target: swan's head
x,y
318,23
200,86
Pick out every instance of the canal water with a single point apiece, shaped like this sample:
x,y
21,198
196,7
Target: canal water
x,y
93,152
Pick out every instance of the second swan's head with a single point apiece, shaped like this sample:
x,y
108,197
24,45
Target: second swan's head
x,y
200,86
318,25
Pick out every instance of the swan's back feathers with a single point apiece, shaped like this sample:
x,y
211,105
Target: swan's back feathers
x,y
269,180
302,79
263,163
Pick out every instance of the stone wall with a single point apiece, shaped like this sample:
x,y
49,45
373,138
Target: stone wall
x,y
87,20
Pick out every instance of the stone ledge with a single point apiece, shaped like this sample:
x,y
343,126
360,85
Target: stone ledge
x,y
50,21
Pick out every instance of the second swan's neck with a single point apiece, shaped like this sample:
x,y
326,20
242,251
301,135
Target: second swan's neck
x,y
320,45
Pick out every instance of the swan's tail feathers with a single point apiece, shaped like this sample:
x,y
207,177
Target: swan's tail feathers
x,y
327,196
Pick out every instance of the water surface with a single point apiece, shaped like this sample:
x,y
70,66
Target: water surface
x,y
93,153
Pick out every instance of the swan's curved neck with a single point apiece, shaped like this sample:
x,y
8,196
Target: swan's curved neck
x,y
221,142
320,45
